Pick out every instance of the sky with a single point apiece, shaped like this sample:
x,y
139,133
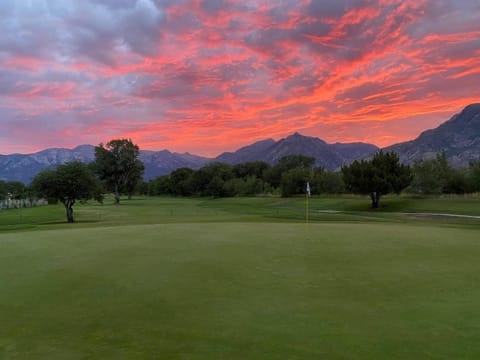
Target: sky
x,y
207,76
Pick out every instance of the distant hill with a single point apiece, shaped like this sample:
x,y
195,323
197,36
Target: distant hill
x,y
163,162
459,137
23,167
330,156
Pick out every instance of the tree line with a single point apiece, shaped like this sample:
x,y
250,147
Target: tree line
x,y
437,176
288,177
118,170
381,175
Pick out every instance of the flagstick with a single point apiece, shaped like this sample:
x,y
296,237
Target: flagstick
x,y
306,214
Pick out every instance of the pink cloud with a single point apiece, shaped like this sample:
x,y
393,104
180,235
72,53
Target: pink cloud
x,y
210,76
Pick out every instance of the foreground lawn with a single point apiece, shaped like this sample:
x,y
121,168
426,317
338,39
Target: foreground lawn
x,y
165,278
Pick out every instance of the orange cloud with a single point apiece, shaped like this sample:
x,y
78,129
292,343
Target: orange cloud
x,y
211,76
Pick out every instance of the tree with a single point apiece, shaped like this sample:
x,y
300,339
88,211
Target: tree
x,y
67,183
294,181
180,179
327,182
160,185
215,187
376,177
118,166
437,176
248,186
457,182
12,189
473,177
427,177
248,169
289,162
134,181
209,180
274,174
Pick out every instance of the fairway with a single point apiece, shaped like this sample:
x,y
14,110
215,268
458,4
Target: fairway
x,y
236,284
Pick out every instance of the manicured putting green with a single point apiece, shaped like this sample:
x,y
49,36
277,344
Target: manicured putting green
x,y
236,290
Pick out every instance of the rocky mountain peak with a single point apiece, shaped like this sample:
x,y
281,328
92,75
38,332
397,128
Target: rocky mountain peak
x,y
458,137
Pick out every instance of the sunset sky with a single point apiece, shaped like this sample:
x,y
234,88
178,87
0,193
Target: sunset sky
x,y
207,76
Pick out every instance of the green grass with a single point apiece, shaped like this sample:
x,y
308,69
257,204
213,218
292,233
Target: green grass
x,y
272,209
166,278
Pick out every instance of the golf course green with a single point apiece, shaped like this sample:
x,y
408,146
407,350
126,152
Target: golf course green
x,y
242,278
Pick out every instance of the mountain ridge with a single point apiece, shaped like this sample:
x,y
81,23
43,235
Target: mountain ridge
x,y
459,137
23,167
330,156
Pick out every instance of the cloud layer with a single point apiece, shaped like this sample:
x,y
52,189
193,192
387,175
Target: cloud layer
x,y
207,76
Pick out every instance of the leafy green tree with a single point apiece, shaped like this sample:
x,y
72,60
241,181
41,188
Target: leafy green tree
x,y
457,182
473,177
118,166
160,185
248,169
142,188
180,180
437,176
199,181
68,183
234,187
454,179
253,185
376,177
218,173
209,180
13,189
274,174
249,179
327,182
243,186
215,187
427,178
134,181
294,181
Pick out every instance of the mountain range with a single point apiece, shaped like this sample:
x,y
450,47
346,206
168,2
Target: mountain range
x,y
330,156
459,137
23,167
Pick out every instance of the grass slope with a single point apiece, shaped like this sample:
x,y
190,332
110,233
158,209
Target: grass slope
x,y
233,279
